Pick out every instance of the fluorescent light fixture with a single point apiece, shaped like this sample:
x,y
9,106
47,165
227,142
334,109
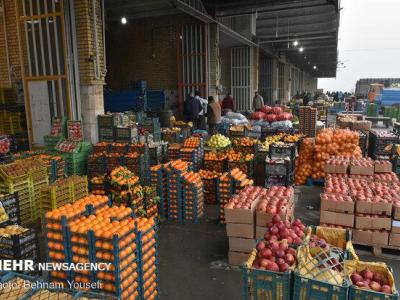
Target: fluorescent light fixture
x,y
295,43
124,20
301,49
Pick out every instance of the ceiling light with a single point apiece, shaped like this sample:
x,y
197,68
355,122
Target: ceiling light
x,y
124,20
315,67
308,62
301,49
295,43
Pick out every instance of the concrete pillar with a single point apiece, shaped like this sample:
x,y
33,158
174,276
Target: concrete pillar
x,y
92,105
213,63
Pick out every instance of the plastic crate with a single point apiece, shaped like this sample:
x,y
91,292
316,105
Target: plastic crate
x,y
282,150
11,207
16,289
105,121
280,167
263,284
18,245
273,180
306,289
126,135
246,167
50,142
106,134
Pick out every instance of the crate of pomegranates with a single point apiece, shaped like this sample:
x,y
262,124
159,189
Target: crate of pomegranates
x,y
268,271
370,280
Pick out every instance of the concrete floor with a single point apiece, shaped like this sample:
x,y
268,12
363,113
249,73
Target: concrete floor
x,y
193,257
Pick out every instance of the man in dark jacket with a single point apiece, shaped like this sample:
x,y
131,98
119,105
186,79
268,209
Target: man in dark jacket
x,y
213,115
193,108
228,104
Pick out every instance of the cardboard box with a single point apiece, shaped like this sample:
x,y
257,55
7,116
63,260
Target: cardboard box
x,y
336,218
260,231
370,237
330,168
394,239
237,258
361,125
262,218
241,245
336,169
361,170
396,213
368,222
378,208
239,215
383,168
395,226
240,230
335,206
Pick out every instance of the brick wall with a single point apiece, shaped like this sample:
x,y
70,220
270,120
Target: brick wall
x,y
225,60
145,49
85,36
14,67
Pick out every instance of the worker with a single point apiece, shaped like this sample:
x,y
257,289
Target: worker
x,y
228,104
203,112
192,110
258,101
213,115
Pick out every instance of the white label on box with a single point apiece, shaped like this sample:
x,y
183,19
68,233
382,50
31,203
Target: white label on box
x,y
395,223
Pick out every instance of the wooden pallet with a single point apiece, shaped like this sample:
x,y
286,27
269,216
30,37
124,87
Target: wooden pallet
x,y
388,252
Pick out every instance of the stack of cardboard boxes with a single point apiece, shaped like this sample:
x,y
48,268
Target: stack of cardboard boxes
x,y
245,226
365,200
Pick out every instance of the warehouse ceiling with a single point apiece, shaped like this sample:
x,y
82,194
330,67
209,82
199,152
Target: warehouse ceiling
x,y
279,23
312,23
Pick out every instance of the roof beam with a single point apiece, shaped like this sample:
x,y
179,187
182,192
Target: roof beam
x,y
297,34
304,23
322,37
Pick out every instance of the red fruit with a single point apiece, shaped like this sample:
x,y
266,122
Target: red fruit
x,y
272,266
377,277
386,289
375,286
276,219
260,246
279,261
297,222
274,246
283,246
297,241
367,274
284,233
266,253
290,240
289,258
280,253
291,251
283,267
361,284
264,262
267,236
270,224
355,277
274,230
273,238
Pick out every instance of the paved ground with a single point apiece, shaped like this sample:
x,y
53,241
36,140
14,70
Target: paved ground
x,y
193,257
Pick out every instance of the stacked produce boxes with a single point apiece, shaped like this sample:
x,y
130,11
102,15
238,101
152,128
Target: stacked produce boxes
x,y
279,166
308,120
106,127
210,181
362,195
58,132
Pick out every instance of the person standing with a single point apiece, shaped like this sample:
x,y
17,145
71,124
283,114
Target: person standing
x,y
192,110
213,115
228,104
201,121
258,101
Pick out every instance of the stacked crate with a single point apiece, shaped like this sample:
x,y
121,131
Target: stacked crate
x,y
39,179
21,184
378,141
159,180
106,127
192,197
18,243
152,125
10,213
308,120
174,151
279,166
58,132
210,181
147,260
174,195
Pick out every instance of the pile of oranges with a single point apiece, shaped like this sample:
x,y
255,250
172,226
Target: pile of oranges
x,y
328,142
193,196
121,176
192,142
234,156
244,142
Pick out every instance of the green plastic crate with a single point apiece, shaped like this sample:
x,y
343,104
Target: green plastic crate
x,y
311,289
360,294
263,284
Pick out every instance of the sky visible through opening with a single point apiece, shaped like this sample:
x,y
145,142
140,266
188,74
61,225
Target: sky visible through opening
x,y
369,43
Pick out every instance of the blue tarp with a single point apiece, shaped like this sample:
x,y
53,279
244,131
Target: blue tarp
x,y
390,96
